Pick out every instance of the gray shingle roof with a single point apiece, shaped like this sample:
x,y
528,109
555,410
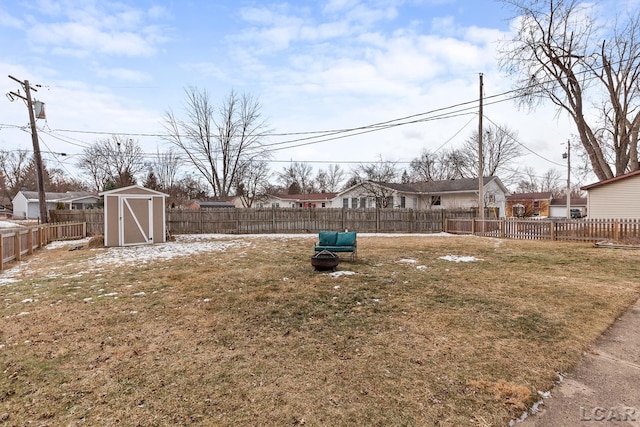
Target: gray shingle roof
x,y
442,186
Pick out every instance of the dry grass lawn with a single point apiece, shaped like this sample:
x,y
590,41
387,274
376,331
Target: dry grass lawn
x,y
253,336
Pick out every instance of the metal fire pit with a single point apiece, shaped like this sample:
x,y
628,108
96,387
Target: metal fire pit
x,y
325,260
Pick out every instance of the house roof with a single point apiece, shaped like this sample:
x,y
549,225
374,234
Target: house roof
x,y
311,197
530,196
462,185
455,185
575,201
610,180
69,196
214,204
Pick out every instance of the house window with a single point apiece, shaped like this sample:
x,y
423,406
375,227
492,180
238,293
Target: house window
x,y
324,205
491,198
275,205
403,202
415,203
435,201
345,203
536,204
354,202
363,202
390,202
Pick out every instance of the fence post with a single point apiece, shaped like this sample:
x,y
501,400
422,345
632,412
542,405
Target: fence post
x,y
616,225
1,252
473,226
552,229
16,247
411,221
30,241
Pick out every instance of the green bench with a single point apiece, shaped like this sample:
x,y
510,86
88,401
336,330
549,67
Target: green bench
x,y
337,242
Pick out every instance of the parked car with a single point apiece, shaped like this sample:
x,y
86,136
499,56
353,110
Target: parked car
x,y
577,213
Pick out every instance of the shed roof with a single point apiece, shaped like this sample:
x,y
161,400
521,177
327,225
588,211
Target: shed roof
x,y
610,180
127,190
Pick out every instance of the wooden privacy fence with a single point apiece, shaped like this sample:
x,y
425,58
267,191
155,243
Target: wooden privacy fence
x,y
548,229
16,243
284,220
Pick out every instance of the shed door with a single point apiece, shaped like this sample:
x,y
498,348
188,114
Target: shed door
x,y
136,220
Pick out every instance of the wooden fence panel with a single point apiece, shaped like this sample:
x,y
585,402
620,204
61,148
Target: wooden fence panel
x,y
15,244
550,229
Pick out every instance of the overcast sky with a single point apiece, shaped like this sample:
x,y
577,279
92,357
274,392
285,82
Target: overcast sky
x,y
116,67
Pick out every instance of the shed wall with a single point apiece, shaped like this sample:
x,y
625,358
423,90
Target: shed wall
x,y
619,199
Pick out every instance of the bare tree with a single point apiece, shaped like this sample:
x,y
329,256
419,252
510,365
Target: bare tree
x,y
252,182
500,147
218,141
558,53
331,179
14,170
297,177
549,182
117,160
165,167
373,178
432,166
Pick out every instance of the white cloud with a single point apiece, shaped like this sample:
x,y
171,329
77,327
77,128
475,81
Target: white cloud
x,y
107,28
122,74
6,20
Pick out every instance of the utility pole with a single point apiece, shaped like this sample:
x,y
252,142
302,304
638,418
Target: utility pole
x,y
480,160
36,146
567,156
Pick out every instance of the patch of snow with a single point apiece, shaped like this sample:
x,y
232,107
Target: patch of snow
x,y
64,243
112,294
27,300
9,224
459,258
408,260
341,273
421,267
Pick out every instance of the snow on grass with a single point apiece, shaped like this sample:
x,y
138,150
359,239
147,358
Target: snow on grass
x,y
341,273
459,258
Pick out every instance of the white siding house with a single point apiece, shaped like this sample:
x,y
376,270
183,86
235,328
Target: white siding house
x,y
445,194
312,200
26,204
617,198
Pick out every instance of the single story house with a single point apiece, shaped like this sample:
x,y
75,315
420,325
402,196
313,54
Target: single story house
x,y
614,198
311,200
209,204
529,204
578,206
442,194
26,204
